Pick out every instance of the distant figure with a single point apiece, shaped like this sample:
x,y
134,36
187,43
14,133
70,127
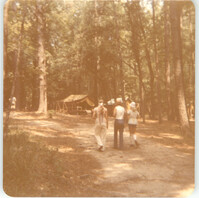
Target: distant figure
x,y
110,107
190,110
127,103
118,113
101,125
13,101
132,123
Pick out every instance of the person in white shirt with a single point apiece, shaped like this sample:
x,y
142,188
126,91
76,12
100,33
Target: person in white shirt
x,y
132,123
118,113
101,125
13,101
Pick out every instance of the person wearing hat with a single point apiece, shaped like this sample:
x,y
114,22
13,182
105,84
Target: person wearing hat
x,y
132,123
127,102
119,113
101,125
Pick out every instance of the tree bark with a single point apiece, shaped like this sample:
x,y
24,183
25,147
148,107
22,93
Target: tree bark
x,y
167,62
5,44
16,71
97,44
35,88
149,64
41,60
156,64
5,24
175,12
119,53
19,87
136,54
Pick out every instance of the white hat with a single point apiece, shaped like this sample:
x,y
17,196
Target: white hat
x,y
119,100
132,104
126,98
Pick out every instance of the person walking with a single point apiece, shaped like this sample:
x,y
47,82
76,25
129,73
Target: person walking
x,y
132,123
119,113
101,125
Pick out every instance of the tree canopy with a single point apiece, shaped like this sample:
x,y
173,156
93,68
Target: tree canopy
x,y
99,48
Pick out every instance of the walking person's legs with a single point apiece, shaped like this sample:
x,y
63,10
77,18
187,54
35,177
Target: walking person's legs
x,y
115,134
135,139
131,134
121,129
103,137
98,137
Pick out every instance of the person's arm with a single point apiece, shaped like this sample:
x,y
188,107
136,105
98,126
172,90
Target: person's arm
x,y
106,115
126,117
114,112
94,113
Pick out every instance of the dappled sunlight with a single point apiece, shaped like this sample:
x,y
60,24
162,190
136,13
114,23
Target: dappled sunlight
x,y
41,134
123,166
136,159
183,156
65,150
170,147
185,146
186,192
26,115
150,136
148,121
41,122
46,123
157,159
172,136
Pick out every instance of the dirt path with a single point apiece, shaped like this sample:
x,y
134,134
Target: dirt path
x,y
161,166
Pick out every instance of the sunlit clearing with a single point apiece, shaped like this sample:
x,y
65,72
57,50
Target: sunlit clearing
x,y
169,135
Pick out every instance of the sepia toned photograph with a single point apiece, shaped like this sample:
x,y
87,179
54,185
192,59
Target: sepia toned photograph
x,y
99,98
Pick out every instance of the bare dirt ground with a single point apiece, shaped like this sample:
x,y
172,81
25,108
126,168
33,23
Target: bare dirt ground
x,y
163,165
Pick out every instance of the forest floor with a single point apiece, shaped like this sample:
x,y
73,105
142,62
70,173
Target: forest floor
x,y
58,157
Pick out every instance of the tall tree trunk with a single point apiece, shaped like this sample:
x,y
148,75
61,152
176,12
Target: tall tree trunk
x,y
5,43
136,54
156,64
175,12
19,87
114,82
41,59
167,62
97,44
35,88
119,53
16,71
5,47
192,67
149,64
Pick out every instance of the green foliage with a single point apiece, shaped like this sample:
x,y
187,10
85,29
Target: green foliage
x,y
70,33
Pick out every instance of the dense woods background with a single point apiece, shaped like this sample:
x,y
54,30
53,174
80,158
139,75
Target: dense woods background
x,y
141,49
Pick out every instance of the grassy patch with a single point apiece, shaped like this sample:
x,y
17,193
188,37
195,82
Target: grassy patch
x,y
32,169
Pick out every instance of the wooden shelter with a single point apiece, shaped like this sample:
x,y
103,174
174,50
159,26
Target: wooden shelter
x,y
75,104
